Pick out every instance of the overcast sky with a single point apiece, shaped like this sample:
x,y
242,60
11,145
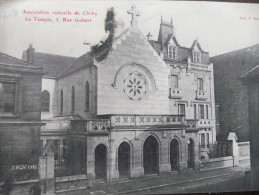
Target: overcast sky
x,y
217,26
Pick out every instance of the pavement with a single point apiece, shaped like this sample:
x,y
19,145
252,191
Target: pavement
x,y
166,183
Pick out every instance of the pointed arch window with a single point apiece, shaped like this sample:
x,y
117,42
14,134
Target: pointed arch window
x,y
45,101
87,96
73,99
61,101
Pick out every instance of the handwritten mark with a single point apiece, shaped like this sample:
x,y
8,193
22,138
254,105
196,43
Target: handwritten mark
x,y
86,43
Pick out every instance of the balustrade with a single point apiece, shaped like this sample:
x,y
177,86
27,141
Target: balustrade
x,y
139,120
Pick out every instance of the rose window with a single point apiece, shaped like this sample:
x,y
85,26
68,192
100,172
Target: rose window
x,y
135,86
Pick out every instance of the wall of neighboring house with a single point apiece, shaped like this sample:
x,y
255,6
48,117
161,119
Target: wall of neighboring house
x,y
20,129
231,95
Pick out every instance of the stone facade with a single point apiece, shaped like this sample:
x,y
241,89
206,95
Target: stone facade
x,y
134,54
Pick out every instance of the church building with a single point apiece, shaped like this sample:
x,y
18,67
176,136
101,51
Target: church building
x,y
147,108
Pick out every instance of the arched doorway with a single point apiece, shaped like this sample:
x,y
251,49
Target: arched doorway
x,y
100,162
190,161
174,154
124,160
150,155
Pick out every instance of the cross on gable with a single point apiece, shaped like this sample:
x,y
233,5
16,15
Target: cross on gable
x,y
149,35
134,14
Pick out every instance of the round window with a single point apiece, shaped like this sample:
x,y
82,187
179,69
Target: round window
x,y
135,86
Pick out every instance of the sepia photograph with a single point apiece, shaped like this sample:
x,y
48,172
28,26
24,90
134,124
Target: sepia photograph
x,y
128,97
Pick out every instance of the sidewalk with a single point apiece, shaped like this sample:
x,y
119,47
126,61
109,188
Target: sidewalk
x,y
138,185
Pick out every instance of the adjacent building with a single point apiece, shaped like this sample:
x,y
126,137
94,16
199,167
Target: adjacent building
x,y
191,84
251,81
20,121
230,94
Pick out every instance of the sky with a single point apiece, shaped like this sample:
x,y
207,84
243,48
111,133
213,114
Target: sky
x,y
219,27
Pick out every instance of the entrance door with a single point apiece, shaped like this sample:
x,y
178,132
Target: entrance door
x,y
190,162
124,160
174,154
100,161
150,155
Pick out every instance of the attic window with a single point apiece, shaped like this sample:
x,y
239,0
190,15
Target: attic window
x,y
196,56
172,52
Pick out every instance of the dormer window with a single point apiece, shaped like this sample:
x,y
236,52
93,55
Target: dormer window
x,y
196,56
172,52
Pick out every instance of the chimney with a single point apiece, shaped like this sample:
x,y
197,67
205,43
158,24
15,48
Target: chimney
x,y
30,54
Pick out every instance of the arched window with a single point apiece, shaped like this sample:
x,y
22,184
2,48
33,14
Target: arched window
x,y
45,98
87,96
73,99
61,101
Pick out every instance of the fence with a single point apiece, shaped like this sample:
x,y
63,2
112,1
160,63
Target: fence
x,y
60,168
220,149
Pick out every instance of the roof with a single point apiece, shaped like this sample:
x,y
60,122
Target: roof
x,y
53,65
253,48
171,36
156,46
6,59
196,42
166,32
81,62
10,64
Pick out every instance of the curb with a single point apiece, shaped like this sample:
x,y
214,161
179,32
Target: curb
x,y
181,182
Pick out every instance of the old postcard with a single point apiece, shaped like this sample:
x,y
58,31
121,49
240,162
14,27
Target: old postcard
x,y
128,97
